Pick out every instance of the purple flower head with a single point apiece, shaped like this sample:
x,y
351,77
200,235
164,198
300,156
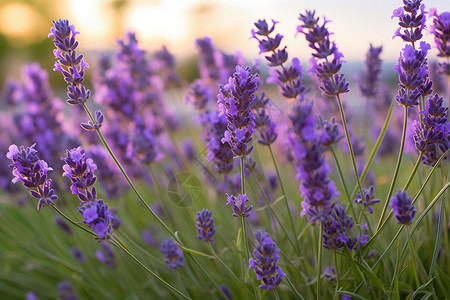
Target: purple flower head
x,y
263,122
413,75
143,146
71,65
401,204
368,199
80,171
77,254
218,153
323,67
372,68
98,217
411,20
329,133
106,255
312,171
205,225
32,172
31,296
235,101
336,228
264,261
63,225
434,130
66,291
330,273
238,205
263,28
198,95
11,92
441,31
172,253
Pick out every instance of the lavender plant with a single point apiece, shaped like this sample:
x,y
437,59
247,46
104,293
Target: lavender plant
x,y
322,245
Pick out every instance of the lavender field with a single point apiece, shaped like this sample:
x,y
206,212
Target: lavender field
x,y
142,175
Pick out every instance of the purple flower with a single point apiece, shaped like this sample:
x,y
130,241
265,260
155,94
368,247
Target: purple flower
x,y
264,261
235,100
401,204
316,189
238,205
330,273
433,131
323,67
413,75
263,122
368,199
32,172
143,147
329,133
372,68
441,31
31,296
63,225
106,255
410,20
80,171
336,228
98,217
172,253
66,291
71,65
77,254
205,225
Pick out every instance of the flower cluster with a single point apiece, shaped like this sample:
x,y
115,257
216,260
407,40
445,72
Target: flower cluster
x,y
205,225
80,171
317,190
433,135
413,75
32,172
238,205
368,198
71,65
172,253
401,204
323,67
336,228
289,79
263,123
264,261
441,31
372,68
235,100
66,291
410,20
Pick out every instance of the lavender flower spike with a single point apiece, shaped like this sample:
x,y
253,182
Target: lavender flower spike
x,y
205,225
368,199
441,31
238,204
32,172
404,211
71,65
265,261
173,254
235,100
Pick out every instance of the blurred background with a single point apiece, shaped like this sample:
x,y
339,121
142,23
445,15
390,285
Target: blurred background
x,y
24,26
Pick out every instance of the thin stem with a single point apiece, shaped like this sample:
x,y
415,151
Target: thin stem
x,y
291,221
276,294
349,143
413,172
319,261
341,176
119,245
336,270
242,175
71,221
416,278
397,167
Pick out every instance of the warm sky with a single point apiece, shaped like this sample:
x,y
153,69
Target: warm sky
x,y
177,23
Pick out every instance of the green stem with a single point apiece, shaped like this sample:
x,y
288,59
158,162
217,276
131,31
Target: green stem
x,y
416,278
72,221
397,167
119,245
242,175
349,143
411,176
286,202
276,294
319,261
336,270
341,176
300,296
